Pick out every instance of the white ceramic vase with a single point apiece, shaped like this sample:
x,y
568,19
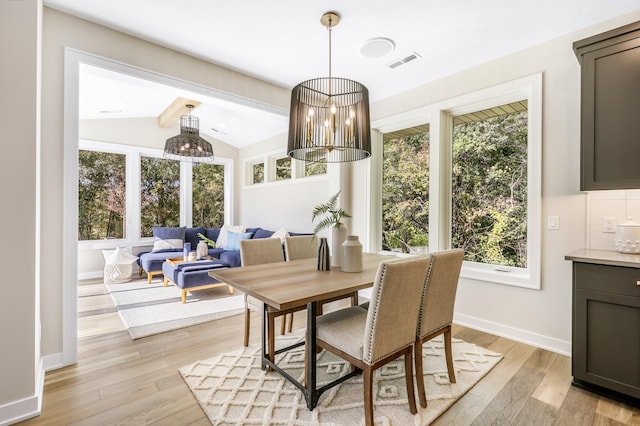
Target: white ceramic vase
x,y
202,250
352,254
338,236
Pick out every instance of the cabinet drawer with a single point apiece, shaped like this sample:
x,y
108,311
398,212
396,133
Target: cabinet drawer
x,y
608,279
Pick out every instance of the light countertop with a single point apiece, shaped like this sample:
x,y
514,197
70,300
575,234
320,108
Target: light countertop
x,y
604,257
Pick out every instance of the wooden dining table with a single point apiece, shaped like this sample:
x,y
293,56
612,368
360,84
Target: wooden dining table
x,y
286,285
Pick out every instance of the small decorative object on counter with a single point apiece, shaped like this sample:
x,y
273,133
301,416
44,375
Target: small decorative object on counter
x,y
628,237
192,256
202,250
351,254
185,251
323,255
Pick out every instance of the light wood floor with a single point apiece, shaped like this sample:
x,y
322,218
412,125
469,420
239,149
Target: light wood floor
x,y
125,382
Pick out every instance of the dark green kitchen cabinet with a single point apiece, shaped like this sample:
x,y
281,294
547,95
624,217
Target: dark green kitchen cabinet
x,y
610,109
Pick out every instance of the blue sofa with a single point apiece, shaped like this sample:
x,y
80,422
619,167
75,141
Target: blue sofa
x,y
151,261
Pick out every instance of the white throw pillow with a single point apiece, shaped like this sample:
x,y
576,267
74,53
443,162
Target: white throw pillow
x,y
222,236
280,233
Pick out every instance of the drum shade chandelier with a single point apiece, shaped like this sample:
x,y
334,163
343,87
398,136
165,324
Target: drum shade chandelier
x,y
329,116
188,145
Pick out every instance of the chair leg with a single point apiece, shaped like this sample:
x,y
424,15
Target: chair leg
x,y
247,324
408,375
448,354
283,325
149,277
417,356
230,289
368,395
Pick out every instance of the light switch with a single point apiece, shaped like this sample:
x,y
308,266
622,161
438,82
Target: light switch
x,y
609,224
553,222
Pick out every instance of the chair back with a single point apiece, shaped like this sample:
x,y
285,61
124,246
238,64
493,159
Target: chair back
x,y
260,251
300,247
439,293
393,311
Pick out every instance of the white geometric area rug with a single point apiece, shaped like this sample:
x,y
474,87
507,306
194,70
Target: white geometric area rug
x,y
147,309
232,389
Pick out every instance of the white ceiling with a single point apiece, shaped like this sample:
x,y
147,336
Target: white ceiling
x,y
284,43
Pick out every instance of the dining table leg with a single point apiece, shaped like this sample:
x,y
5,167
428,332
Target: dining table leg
x,y
310,356
264,337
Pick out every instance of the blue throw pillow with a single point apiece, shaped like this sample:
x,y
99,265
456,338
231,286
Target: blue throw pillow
x,y
234,238
168,238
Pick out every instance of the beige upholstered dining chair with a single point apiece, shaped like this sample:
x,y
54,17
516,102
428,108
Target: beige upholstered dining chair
x,y
257,252
371,338
300,247
436,310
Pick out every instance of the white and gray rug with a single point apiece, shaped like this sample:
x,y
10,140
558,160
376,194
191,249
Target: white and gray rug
x,y
232,389
147,309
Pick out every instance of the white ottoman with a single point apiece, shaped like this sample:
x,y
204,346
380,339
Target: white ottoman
x,y
118,265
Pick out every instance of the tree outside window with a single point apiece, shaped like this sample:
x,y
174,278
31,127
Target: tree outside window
x,y
207,195
489,186
257,173
312,169
159,194
283,168
101,195
405,190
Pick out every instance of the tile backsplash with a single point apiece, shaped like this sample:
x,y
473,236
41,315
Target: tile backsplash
x,y
621,204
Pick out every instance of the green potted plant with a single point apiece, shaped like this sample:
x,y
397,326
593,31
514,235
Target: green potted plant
x,y
331,217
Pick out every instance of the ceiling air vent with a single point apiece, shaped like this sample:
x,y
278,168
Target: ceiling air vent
x,y
397,63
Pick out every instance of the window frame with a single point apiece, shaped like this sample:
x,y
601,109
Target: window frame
x,y
133,213
269,160
440,118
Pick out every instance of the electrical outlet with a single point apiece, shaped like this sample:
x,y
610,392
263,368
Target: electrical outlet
x,y
609,224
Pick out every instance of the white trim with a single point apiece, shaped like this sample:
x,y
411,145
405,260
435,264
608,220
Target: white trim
x,y
26,408
552,344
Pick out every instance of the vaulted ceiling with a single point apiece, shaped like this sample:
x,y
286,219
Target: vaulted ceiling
x,y
283,42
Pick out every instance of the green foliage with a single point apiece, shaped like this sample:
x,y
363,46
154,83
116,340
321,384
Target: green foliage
x,y
159,193
332,214
405,193
283,168
490,190
258,173
312,169
101,195
207,195
209,242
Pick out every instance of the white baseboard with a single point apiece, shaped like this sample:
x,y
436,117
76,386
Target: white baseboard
x,y
544,342
90,275
53,361
25,408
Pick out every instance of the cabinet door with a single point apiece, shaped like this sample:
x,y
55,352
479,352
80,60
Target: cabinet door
x,y
610,117
606,340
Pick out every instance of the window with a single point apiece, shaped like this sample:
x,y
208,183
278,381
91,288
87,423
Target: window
x,y
283,168
472,180
124,191
405,190
258,173
101,195
312,169
159,194
489,185
207,195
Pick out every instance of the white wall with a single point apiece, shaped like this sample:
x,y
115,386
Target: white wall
x,y
21,372
283,204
